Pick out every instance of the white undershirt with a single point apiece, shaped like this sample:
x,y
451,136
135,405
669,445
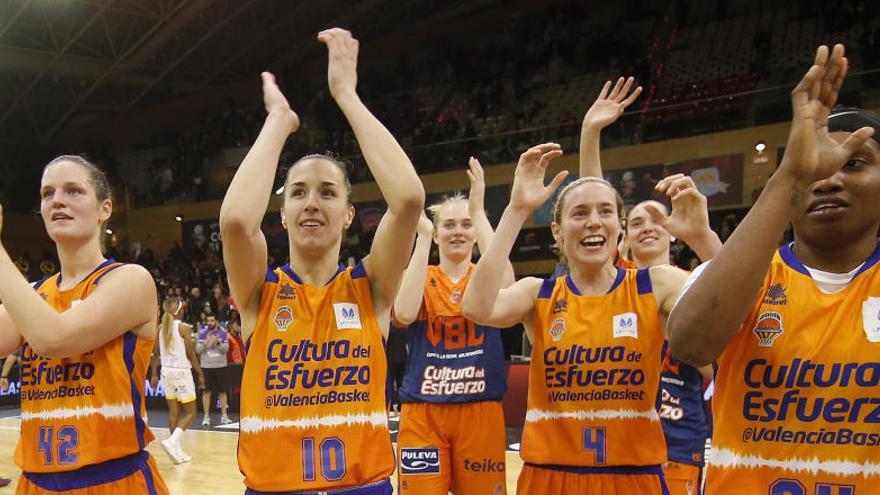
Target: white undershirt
x,y
832,283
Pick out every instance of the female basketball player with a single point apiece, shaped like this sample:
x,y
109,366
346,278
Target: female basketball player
x,y
591,425
178,357
648,234
85,348
313,393
795,329
455,373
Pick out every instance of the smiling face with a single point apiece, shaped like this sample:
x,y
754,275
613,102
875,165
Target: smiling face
x,y
454,230
845,206
316,207
588,224
646,238
69,204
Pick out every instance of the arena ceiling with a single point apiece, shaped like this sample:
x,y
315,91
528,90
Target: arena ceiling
x,y
69,61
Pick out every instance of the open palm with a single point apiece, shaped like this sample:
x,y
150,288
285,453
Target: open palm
x,y
811,154
611,103
528,191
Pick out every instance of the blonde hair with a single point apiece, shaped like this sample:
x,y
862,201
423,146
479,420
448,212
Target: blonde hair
x,y
434,209
170,307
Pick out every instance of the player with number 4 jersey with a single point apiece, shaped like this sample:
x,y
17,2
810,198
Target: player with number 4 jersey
x,y
592,424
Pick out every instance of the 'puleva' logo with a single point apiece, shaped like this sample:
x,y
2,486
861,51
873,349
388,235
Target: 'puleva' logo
x,y
419,461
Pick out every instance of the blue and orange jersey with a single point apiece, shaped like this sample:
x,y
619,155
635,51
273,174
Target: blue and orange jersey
x,y
451,359
594,376
85,409
313,392
797,392
621,262
682,411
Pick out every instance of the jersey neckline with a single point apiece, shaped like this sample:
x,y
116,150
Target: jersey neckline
x,y
107,262
788,257
292,274
621,273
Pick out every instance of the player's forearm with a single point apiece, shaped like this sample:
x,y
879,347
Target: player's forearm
x,y
391,168
488,278
725,291
589,160
248,195
412,286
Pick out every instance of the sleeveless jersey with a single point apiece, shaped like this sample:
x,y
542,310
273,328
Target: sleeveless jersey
x,y
451,359
797,395
84,409
313,392
682,412
174,355
594,376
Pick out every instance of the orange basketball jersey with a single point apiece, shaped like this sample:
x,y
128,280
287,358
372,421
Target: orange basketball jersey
x,y
313,393
85,409
797,393
594,376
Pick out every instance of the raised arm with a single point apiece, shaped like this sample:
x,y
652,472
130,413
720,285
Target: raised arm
x,y
394,174
412,288
484,300
689,220
245,203
726,289
607,108
477,211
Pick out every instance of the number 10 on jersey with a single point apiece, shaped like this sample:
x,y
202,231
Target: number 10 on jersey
x,y
330,458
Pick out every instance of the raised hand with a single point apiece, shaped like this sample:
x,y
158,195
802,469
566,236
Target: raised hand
x,y
811,154
425,228
477,180
690,213
342,51
528,191
275,102
611,103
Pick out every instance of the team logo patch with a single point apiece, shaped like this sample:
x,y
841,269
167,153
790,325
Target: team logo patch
x,y
871,318
455,297
286,292
775,295
283,318
769,327
626,325
560,306
347,315
420,461
557,328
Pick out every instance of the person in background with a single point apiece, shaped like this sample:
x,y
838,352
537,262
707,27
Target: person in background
x,y
212,347
236,355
